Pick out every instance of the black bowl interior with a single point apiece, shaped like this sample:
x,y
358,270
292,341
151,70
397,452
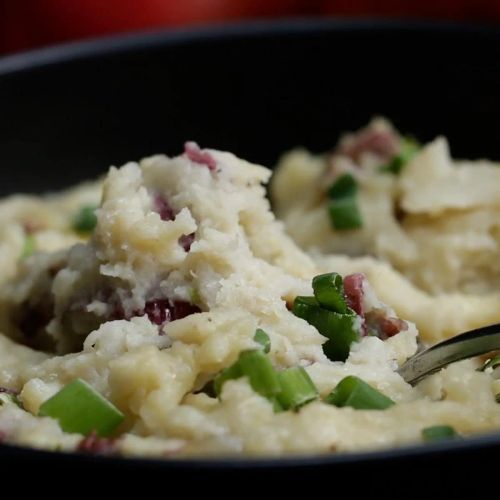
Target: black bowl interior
x,y
68,113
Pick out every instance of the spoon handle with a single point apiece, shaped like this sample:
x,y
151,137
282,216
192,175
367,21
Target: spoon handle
x,y
465,345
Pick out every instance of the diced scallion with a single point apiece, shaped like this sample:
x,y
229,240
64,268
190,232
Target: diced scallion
x,y
302,304
341,329
231,373
438,433
296,388
194,295
409,148
354,392
342,206
276,405
259,370
344,214
85,220
80,409
29,246
262,338
256,366
344,187
329,292
286,390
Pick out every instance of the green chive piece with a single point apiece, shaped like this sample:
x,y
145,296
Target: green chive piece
x,y
297,388
231,373
354,392
303,303
340,329
344,214
259,370
85,220
80,409
194,295
438,433
409,148
491,363
329,292
256,366
276,405
342,207
345,186
29,246
262,338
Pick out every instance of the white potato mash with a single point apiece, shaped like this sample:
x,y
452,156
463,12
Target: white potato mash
x,y
429,242
168,323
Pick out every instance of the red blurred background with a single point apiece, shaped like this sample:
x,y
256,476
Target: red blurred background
x,y
26,24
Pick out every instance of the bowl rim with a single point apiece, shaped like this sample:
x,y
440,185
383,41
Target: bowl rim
x,y
410,452
25,62
149,39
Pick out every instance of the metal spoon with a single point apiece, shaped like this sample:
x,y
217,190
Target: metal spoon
x,y
465,345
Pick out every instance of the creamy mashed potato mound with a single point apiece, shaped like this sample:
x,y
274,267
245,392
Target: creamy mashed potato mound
x,y
430,239
185,263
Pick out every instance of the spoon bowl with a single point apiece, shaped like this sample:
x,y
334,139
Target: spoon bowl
x,y
462,346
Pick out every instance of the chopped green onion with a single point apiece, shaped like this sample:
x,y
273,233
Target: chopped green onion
x,y
342,207
80,409
297,388
302,305
262,338
288,389
394,166
276,404
231,373
85,220
341,329
259,370
438,433
345,214
354,392
29,246
409,148
491,363
194,296
256,366
345,186
329,292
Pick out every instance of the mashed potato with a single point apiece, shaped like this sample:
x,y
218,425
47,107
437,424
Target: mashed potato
x,y
430,238
185,263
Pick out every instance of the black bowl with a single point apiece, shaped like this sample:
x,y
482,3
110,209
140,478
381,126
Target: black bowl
x,y
67,113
